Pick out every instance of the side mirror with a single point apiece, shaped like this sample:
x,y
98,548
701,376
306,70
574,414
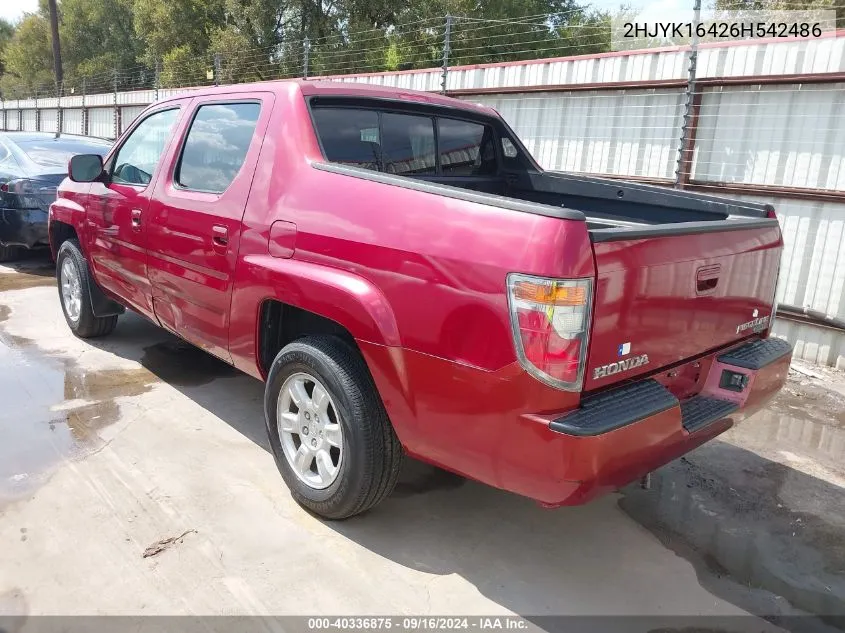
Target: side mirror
x,y
85,168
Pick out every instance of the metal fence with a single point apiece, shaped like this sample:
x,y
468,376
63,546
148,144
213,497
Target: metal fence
x,y
766,121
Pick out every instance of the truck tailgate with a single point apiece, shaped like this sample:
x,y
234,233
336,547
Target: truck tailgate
x,y
671,292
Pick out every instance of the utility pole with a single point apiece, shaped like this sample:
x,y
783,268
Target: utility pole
x,y
115,109
447,41
217,67
57,49
59,113
306,55
84,108
157,78
693,101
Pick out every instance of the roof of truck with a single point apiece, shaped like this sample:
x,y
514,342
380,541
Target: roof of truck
x,y
310,88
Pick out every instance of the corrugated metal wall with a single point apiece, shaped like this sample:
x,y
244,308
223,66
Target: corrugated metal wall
x,y
101,122
795,57
29,120
813,265
622,132
49,120
72,121
788,135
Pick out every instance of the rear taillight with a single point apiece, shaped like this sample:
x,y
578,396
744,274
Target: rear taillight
x,y
551,321
25,193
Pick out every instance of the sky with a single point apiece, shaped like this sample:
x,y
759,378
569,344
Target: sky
x,y
13,9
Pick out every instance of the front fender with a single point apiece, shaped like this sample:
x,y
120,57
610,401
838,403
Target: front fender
x,y
67,211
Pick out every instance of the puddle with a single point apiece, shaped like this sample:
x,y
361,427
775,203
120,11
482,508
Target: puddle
x,y
28,277
181,364
764,504
52,411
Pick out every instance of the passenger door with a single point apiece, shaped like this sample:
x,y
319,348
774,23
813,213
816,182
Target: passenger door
x,y
115,210
196,217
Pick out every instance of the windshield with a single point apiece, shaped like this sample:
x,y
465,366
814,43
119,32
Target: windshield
x,y
57,152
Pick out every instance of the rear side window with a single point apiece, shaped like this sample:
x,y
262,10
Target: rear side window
x,y
466,148
216,145
408,144
349,136
405,144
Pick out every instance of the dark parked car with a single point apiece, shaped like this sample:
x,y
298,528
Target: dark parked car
x,y
32,164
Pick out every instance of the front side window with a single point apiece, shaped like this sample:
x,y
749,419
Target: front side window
x,y
139,155
466,148
216,145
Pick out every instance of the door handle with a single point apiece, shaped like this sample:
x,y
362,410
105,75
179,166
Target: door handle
x,y
707,278
136,219
219,237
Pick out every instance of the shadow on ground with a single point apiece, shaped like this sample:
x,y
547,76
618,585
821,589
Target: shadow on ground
x,y
745,523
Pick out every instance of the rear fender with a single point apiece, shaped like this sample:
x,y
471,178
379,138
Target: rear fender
x,y
339,295
348,299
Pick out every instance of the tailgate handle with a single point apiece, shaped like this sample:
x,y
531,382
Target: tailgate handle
x,y
706,278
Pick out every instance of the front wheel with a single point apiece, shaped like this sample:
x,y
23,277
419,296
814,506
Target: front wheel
x,y
75,294
331,437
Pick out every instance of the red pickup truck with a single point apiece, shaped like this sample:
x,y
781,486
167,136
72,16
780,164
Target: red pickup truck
x,y
406,279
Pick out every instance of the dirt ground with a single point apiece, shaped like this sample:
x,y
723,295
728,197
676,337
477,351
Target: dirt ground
x,y
135,478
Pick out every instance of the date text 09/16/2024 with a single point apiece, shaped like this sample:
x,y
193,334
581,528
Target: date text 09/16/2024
x,y
418,623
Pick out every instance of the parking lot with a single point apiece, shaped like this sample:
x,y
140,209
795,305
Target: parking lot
x,y
135,478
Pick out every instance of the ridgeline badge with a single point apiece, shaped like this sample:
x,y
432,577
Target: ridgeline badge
x,y
755,325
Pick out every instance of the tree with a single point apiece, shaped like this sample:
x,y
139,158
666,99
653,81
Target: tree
x,y
98,37
783,5
55,44
169,30
7,31
28,59
263,39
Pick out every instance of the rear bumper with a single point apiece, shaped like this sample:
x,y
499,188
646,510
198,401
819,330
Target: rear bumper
x,y
617,436
23,227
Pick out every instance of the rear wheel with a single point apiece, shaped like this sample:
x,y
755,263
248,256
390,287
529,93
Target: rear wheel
x,y
75,294
11,253
331,437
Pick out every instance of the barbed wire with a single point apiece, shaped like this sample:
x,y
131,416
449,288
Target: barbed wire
x,y
349,53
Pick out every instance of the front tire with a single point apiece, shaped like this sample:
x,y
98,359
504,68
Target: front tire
x,y
331,437
75,294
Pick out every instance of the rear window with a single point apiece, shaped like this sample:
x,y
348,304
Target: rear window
x,y
57,153
405,144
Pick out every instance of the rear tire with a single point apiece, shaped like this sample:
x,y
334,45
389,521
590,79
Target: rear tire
x,y
11,253
74,281
360,466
